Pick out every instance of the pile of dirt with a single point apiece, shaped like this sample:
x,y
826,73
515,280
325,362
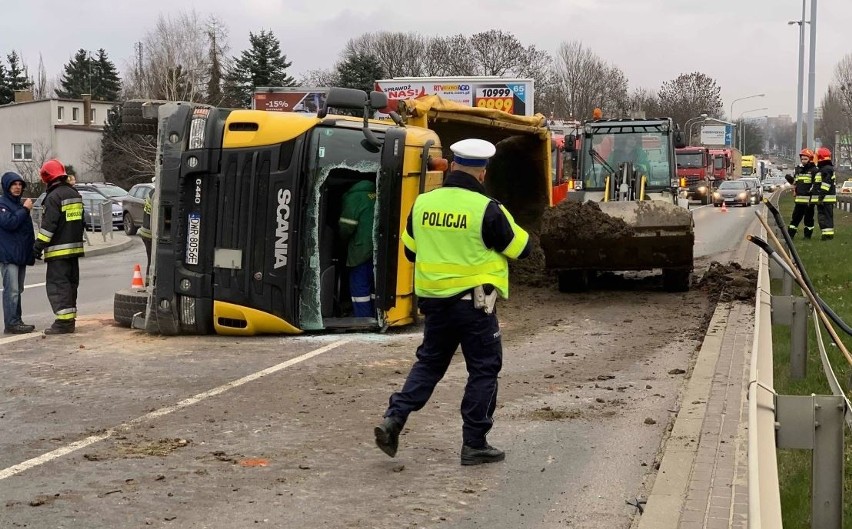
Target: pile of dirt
x,y
730,282
531,271
570,222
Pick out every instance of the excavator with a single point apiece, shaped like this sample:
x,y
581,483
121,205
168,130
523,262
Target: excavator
x,y
627,168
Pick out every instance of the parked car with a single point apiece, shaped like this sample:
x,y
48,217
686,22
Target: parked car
x,y
754,188
133,205
91,215
109,191
846,187
733,192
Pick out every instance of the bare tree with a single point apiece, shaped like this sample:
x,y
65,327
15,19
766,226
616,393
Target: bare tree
x,y
586,81
173,60
690,95
399,54
319,78
643,101
41,88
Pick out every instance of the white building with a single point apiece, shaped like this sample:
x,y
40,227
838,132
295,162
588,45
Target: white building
x,y
69,130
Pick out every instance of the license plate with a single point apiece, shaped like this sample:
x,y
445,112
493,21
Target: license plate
x,y
193,238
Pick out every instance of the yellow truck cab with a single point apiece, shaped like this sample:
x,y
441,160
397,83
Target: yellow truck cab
x,y
748,164
247,204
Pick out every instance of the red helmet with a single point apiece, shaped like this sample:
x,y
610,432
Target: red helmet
x,y
822,154
807,152
51,170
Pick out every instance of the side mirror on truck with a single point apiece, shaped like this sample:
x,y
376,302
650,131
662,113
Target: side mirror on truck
x,y
570,141
679,139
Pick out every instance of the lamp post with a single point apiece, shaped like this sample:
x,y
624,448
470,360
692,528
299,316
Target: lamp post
x,y
800,95
812,76
688,127
742,124
742,99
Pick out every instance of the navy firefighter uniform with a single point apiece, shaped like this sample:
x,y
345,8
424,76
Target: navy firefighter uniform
x,y
459,240
802,182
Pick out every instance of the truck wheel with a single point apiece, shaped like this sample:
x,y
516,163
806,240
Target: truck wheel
x,y
573,280
133,121
128,302
676,279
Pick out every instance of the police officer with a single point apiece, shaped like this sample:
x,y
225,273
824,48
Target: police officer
x,y
802,182
459,240
61,239
824,193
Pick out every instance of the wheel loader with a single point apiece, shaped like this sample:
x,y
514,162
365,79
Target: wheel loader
x,y
627,169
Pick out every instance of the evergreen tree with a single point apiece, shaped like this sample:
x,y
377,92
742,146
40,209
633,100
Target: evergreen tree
x,y
6,94
359,70
261,65
17,77
214,83
77,77
106,85
96,76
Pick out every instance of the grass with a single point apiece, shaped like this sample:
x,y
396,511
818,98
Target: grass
x,y
828,265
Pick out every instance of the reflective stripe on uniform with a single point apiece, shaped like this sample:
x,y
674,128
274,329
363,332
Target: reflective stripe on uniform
x,y
62,250
461,269
361,299
348,221
408,241
73,211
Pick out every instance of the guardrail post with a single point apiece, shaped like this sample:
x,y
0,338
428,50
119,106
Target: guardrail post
x,y
799,339
816,423
787,285
775,270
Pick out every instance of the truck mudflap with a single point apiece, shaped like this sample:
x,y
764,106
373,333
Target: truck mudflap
x,y
630,235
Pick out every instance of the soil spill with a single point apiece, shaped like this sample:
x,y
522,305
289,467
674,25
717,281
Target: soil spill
x,y
730,282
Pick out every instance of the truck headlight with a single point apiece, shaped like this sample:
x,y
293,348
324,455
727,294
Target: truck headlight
x,y
197,126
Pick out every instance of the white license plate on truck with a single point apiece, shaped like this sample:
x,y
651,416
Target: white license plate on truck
x,y
193,238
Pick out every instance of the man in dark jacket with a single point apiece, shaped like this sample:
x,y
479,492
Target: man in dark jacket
x,y
16,243
824,193
356,225
61,240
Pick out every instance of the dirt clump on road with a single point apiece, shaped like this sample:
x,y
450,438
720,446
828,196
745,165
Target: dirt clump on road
x,y
729,282
531,271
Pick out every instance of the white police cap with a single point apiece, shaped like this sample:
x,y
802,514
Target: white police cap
x,y
472,152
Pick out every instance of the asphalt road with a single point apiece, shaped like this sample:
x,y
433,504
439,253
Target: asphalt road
x,y
115,428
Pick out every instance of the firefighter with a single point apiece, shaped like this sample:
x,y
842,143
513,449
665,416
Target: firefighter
x,y
459,240
60,238
824,193
145,230
802,182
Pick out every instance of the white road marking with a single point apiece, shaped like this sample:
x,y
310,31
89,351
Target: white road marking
x,y
30,286
65,450
18,337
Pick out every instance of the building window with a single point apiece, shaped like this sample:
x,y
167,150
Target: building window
x,y
75,114
92,116
60,113
22,152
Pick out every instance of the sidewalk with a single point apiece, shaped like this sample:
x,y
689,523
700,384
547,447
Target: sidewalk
x,y
118,241
703,477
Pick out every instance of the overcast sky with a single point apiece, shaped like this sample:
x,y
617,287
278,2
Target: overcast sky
x,y
745,45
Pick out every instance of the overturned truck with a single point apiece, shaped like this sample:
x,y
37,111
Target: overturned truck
x,y
247,203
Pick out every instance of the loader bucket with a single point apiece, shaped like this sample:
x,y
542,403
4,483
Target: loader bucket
x,y
611,236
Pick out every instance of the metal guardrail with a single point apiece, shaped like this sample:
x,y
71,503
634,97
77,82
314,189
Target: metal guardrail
x,y
764,496
103,211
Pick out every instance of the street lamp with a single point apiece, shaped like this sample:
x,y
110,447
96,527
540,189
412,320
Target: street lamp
x,y
742,99
742,124
688,127
800,95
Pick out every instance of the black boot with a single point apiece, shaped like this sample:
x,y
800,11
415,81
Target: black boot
x,y
61,327
792,233
478,456
387,435
20,328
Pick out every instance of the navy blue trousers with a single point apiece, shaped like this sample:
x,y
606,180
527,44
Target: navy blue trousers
x,y
361,290
478,333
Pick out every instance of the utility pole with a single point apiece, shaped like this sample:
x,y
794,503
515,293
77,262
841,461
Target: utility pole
x,y
801,89
812,76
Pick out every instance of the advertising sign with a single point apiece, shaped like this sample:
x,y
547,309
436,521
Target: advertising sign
x,y
715,135
512,95
290,99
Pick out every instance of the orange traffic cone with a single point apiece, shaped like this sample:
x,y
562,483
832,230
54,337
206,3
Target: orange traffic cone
x,y
724,208
137,282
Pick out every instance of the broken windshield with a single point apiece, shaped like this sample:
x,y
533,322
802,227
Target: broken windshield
x,y
331,148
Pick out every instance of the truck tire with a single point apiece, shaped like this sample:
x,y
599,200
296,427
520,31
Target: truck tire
x,y
133,121
676,279
127,303
573,280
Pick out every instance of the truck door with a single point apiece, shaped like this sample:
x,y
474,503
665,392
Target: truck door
x,y
389,193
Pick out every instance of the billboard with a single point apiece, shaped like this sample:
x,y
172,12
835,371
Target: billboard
x,y
289,99
514,96
717,135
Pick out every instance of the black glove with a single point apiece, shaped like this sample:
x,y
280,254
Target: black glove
x,y
37,253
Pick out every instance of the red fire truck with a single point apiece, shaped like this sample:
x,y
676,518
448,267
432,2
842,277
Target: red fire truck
x,y
695,173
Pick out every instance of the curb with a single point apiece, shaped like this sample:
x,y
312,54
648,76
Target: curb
x,y
665,502
109,248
